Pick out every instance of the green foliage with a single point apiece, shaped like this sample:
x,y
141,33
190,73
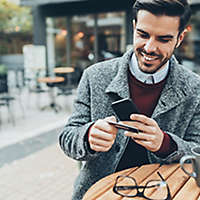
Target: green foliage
x,y
14,18
3,69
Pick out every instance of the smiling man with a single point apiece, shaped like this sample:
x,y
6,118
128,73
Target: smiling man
x,y
155,39
165,92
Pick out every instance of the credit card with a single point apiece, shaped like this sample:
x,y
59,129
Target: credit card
x,y
124,127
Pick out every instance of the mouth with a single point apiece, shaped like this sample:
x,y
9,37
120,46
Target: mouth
x,y
149,58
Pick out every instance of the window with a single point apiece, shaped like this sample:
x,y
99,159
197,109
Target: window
x,y
189,51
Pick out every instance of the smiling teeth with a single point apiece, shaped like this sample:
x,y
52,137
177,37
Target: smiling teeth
x,y
148,59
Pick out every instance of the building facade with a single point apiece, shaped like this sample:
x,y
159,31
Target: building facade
x,y
78,33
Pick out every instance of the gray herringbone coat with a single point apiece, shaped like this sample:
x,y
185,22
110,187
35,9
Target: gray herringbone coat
x,y
177,113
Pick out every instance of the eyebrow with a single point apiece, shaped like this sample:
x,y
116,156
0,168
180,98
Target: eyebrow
x,y
161,36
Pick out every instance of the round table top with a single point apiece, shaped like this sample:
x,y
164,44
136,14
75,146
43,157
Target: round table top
x,y
50,79
181,186
38,68
63,70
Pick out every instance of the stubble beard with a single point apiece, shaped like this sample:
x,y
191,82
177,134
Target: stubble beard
x,y
155,69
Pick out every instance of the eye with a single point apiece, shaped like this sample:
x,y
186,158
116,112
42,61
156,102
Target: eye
x,y
143,35
164,40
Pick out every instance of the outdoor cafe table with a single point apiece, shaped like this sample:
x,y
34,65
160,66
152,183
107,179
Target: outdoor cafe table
x,y
63,70
182,187
51,81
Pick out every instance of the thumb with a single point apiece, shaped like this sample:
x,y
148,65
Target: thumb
x,y
111,118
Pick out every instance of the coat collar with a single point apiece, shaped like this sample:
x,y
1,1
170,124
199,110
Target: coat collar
x,y
119,85
174,92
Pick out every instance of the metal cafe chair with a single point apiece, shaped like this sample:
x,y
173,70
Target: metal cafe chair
x,y
6,98
71,77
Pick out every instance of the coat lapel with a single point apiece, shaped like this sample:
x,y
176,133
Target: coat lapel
x,y
175,91
119,85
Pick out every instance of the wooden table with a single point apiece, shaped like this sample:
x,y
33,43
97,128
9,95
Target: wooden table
x,y
182,187
63,70
50,79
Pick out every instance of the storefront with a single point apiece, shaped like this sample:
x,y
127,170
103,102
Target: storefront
x,y
78,33
189,52
92,38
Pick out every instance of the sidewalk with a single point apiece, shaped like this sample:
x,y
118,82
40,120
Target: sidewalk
x,y
34,167
31,121
45,175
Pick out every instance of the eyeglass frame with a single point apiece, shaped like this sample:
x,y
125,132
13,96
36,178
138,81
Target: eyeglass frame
x,y
140,194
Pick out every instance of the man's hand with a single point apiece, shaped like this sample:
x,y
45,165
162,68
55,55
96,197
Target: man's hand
x,y
102,135
150,135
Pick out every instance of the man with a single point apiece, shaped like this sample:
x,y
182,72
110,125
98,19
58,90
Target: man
x,y
167,95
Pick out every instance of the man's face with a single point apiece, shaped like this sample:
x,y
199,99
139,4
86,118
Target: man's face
x,y
155,38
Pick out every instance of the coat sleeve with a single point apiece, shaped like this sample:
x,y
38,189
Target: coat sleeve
x,y
73,139
185,140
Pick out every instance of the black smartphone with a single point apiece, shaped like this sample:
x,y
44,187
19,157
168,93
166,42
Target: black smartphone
x,y
124,127
124,108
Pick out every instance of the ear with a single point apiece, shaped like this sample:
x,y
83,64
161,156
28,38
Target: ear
x,y
181,37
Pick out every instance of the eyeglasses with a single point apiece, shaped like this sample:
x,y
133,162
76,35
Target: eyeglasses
x,y
126,186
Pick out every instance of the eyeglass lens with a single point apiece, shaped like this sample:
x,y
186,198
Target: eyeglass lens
x,y
154,190
125,186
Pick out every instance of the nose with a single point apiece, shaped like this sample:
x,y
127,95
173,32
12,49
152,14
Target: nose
x,y
150,46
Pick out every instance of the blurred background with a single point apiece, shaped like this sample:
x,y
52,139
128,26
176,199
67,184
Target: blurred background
x,y
44,47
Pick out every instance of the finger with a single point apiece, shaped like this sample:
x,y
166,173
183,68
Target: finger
x,y
97,133
140,136
100,142
98,148
140,126
143,119
144,143
105,126
147,144
111,118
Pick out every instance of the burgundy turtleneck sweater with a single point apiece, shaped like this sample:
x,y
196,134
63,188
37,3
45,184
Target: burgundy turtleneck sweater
x,y
145,96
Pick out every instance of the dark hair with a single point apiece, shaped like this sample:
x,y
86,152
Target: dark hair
x,y
173,8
